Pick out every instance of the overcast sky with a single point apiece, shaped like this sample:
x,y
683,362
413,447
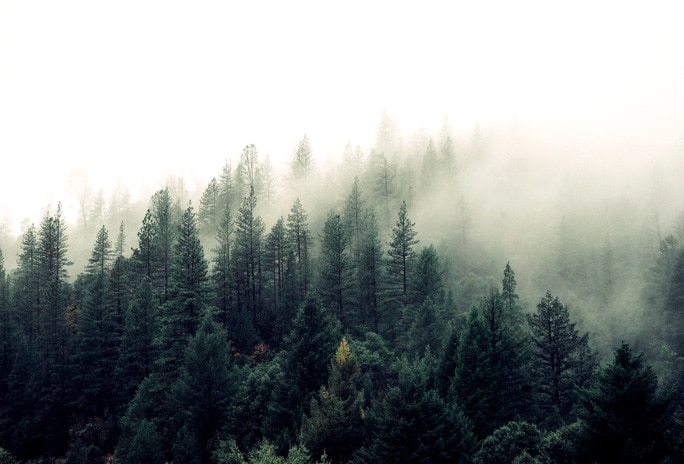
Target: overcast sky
x,y
136,89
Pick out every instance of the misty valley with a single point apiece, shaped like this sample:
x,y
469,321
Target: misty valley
x,y
453,297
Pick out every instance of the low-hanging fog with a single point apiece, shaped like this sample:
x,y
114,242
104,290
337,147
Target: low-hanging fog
x,y
566,127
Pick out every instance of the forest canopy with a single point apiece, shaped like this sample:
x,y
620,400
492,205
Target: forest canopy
x,y
420,302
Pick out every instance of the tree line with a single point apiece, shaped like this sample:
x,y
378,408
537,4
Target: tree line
x,y
339,344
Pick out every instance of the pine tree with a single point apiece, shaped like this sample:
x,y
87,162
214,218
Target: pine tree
x,y
186,305
401,255
353,218
335,269
490,378
426,282
555,362
623,414
309,347
370,275
248,177
203,391
303,163
28,285
209,212
413,423
137,351
96,350
335,422
164,225
144,256
221,271
53,262
249,231
300,240
101,256
276,252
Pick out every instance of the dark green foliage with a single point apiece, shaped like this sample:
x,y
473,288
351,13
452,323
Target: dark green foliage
x,y
413,424
311,344
222,272
624,415
334,424
426,281
100,259
137,351
401,256
201,395
490,380
181,314
370,275
144,446
163,357
557,365
249,231
96,353
299,238
209,213
513,442
335,268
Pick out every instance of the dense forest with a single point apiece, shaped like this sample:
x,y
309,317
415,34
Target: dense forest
x,y
431,300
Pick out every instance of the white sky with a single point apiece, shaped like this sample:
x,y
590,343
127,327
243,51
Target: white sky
x,y
135,89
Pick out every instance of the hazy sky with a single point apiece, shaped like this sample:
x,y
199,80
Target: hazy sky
x,y
136,89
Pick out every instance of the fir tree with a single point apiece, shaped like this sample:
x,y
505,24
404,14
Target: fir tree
x,y
401,255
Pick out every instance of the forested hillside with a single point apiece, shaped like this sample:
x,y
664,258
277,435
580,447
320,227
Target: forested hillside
x,y
437,298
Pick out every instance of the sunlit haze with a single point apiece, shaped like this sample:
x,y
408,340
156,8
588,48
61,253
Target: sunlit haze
x,y
134,91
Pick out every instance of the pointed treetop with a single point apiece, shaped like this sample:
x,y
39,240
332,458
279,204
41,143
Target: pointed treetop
x,y
343,354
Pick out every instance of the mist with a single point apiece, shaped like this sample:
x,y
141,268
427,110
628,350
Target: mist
x,y
547,138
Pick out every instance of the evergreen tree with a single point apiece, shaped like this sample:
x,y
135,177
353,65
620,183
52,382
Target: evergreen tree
x,y
96,351
623,414
426,282
203,391
248,178
491,372
303,163
209,212
101,256
228,195
144,446
335,269
164,225
249,231
183,311
413,424
300,240
555,360
28,285
335,422
222,272
310,345
401,255
353,219
144,256
370,275
137,351
53,336
276,252
384,183
268,176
